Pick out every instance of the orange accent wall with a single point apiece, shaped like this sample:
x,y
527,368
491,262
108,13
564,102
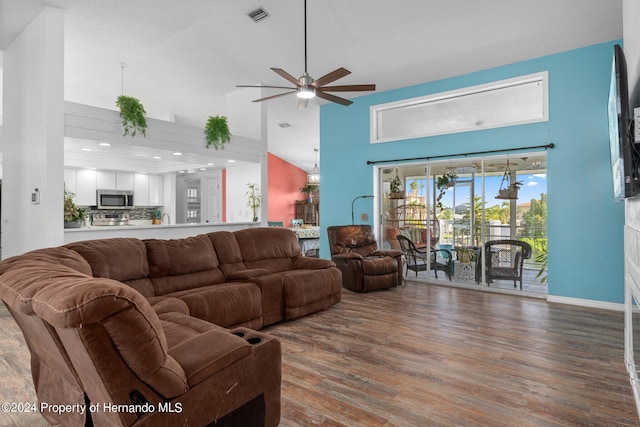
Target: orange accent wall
x,y
285,181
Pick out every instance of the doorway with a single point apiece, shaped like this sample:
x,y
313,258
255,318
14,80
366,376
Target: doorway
x,y
451,209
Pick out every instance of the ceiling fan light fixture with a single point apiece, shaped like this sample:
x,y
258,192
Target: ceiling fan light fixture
x,y
306,92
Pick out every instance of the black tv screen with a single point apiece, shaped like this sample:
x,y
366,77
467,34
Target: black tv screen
x,y
621,144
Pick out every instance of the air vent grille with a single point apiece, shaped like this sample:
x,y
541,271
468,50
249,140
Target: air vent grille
x,y
258,15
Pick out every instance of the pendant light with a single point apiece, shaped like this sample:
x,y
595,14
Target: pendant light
x,y
313,177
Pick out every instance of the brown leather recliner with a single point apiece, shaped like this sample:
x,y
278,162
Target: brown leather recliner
x,y
364,267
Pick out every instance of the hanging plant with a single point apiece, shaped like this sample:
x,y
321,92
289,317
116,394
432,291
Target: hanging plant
x,y
217,132
132,113
395,187
442,183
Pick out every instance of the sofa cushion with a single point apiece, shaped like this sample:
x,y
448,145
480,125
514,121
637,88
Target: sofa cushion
x,y
269,248
118,259
180,256
226,305
201,349
304,287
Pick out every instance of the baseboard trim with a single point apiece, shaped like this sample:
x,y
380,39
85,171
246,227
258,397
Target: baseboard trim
x,y
586,303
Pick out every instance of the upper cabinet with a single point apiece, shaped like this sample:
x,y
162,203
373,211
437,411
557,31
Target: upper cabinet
x,y
86,186
147,189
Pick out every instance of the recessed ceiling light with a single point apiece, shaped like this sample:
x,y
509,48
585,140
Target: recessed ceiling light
x,y
210,164
86,149
157,157
203,169
105,144
284,125
177,153
231,161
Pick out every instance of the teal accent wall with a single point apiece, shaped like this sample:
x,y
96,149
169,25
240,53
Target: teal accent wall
x,y
585,224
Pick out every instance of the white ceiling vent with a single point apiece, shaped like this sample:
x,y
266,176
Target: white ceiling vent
x,y
258,15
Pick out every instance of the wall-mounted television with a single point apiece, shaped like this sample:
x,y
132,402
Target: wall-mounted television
x,y
624,159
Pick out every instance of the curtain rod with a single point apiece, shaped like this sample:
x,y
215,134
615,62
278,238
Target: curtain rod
x,y
504,150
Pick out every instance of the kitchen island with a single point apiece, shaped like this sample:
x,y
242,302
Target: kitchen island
x,y
158,231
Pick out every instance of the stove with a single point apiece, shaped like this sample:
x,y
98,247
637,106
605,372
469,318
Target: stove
x,y
106,219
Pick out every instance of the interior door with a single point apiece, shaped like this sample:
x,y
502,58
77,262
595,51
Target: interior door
x,y
212,208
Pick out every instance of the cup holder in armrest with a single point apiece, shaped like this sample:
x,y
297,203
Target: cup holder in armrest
x,y
251,337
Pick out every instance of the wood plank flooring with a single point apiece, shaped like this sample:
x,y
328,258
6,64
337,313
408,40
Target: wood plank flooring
x,y
428,355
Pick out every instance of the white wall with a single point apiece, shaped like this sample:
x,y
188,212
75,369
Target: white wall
x,y
237,179
32,137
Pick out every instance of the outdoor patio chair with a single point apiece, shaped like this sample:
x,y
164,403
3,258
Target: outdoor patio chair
x,y
417,259
505,260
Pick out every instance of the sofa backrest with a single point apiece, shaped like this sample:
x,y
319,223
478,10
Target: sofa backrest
x,y
358,239
180,264
270,248
121,259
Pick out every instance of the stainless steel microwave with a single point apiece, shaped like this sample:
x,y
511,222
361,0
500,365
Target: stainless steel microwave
x,y
114,199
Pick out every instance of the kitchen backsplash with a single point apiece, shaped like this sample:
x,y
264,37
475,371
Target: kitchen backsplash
x,y
134,214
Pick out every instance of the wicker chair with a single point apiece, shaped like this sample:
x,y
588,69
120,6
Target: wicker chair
x,y
417,260
505,260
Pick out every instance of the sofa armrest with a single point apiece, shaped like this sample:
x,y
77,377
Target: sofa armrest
x,y
308,263
168,305
244,275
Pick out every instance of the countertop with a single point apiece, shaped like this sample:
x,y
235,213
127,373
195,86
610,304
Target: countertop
x,y
158,231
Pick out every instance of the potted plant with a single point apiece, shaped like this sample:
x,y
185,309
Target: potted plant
x,y
395,190
132,113
308,189
442,183
217,132
73,215
254,199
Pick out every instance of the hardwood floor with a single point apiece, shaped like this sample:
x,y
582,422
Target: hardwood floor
x,y
427,355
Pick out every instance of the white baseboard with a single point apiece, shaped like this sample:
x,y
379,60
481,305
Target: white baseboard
x,y
586,303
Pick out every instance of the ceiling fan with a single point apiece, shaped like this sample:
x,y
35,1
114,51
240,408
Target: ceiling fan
x,y
306,87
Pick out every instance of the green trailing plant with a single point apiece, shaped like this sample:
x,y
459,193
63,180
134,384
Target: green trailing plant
x,y
254,200
442,183
132,113
72,213
217,132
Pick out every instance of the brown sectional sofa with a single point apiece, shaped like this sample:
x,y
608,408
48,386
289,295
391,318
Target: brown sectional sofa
x,y
167,323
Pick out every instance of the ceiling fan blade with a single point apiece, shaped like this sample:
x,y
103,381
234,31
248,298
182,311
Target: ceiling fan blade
x,y
348,88
302,103
274,96
287,76
268,87
332,76
333,98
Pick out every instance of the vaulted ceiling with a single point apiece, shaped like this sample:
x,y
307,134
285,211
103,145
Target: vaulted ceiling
x,y
184,56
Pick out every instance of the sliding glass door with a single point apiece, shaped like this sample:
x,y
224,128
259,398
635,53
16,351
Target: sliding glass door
x,y
447,212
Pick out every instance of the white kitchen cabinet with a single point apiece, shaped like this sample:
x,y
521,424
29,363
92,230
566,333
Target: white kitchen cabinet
x,y
124,181
141,189
70,180
86,187
106,180
156,190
